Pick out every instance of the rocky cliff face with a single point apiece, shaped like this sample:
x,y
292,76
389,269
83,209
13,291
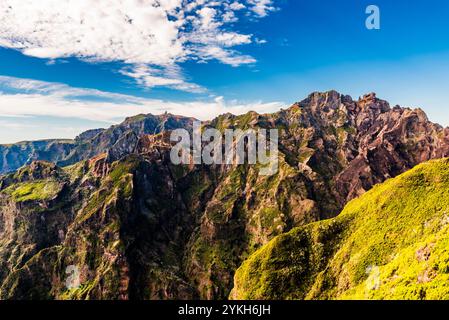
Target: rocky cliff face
x,y
138,227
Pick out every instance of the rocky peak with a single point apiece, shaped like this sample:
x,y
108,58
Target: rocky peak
x,y
322,101
369,97
371,102
185,229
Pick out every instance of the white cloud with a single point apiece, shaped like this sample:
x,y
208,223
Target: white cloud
x,y
225,56
157,34
168,77
236,6
25,99
261,7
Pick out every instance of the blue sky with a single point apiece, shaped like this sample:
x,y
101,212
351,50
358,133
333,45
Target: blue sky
x,y
94,65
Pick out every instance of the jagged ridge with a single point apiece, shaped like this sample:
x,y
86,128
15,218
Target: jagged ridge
x,y
142,228
88,144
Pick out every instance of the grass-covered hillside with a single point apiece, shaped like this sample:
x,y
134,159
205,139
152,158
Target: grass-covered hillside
x,y
391,243
133,225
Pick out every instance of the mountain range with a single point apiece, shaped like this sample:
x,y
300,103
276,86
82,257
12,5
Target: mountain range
x,y
135,226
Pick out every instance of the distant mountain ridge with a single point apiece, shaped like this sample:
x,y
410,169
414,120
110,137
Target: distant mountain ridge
x,y
87,144
139,227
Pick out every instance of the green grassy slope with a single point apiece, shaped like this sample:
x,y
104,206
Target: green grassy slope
x,y
391,243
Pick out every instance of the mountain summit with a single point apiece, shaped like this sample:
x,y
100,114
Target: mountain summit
x,y
111,206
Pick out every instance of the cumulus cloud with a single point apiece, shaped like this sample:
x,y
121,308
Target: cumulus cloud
x,y
22,99
261,7
151,37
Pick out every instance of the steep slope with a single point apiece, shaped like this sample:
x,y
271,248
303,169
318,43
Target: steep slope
x,y
135,222
332,150
107,222
391,243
